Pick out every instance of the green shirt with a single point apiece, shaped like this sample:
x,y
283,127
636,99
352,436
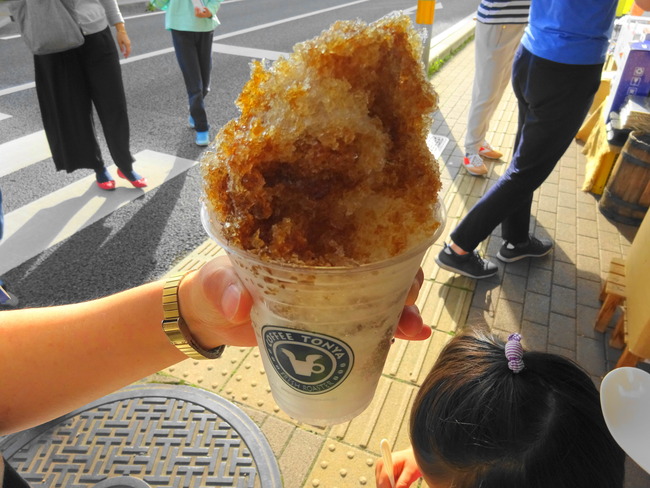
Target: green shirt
x,y
180,15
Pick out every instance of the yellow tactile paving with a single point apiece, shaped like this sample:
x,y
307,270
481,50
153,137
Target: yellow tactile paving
x,y
342,466
448,307
197,258
211,375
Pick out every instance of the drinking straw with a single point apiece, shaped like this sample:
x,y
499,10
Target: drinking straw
x,y
388,460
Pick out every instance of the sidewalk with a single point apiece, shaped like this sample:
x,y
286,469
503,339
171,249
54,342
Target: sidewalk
x,y
552,302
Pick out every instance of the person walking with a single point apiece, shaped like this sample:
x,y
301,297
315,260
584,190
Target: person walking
x,y
556,73
70,83
499,27
192,29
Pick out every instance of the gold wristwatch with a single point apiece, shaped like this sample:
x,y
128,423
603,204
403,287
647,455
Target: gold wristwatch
x,y
176,328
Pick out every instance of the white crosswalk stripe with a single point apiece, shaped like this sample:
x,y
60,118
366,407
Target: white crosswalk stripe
x,y
53,218
247,51
22,152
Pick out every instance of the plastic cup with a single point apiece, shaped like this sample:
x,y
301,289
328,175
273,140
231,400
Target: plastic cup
x,y
324,332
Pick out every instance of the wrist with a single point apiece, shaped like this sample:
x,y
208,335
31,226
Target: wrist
x,y
186,338
120,27
188,307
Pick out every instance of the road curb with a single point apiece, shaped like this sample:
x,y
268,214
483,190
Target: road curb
x,y
447,41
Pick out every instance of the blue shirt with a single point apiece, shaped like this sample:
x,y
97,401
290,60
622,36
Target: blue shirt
x,y
570,31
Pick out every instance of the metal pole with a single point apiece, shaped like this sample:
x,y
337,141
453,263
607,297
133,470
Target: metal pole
x,y
425,15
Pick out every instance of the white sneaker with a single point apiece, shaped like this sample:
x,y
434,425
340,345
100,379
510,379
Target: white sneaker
x,y
474,164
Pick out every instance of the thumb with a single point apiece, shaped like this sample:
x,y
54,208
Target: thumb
x,y
234,303
222,287
216,305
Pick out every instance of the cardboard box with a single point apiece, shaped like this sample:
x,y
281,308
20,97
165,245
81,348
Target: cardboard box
x,y
632,78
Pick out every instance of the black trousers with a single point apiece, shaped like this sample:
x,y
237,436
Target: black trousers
x,y
68,84
194,55
553,100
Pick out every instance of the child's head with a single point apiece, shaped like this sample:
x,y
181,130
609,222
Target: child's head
x,y
476,423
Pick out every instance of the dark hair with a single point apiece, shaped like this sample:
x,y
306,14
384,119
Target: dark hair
x,y
478,424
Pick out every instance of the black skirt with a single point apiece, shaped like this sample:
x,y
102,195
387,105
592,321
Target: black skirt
x,y
68,84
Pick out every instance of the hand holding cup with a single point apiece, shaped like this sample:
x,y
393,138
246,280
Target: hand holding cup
x,y
216,307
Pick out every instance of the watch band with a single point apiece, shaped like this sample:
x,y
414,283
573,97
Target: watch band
x,y
176,328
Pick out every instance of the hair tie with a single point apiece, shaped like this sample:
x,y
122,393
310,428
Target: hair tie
x,y
515,353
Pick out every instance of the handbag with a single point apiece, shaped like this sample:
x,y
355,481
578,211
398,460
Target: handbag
x,y
46,25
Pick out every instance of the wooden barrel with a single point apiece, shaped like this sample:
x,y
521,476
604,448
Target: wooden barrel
x,y
626,196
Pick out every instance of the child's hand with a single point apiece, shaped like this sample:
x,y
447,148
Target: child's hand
x,y
405,469
202,12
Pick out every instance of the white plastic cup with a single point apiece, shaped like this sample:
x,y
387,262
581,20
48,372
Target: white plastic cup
x,y
324,332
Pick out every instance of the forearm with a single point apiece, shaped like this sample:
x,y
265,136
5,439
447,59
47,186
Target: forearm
x,y
73,354
123,39
112,9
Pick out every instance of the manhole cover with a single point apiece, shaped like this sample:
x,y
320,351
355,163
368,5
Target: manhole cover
x,y
152,435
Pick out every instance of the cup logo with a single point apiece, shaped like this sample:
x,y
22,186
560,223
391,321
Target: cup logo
x,y
308,362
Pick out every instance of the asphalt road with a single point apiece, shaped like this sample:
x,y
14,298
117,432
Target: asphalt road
x,y
143,239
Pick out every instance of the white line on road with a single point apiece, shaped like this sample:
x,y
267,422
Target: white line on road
x,y
22,152
137,16
284,21
35,227
152,54
246,51
147,14
246,31
17,88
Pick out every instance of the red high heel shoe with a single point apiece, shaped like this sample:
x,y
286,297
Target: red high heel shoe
x,y
107,185
141,183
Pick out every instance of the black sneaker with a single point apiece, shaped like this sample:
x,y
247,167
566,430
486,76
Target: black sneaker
x,y
470,264
534,248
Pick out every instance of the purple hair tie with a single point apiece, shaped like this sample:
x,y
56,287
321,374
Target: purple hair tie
x,y
515,353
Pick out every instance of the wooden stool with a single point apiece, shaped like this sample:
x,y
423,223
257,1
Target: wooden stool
x,y
612,294
627,280
627,359
618,340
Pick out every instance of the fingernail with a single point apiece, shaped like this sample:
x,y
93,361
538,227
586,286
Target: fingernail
x,y
230,301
